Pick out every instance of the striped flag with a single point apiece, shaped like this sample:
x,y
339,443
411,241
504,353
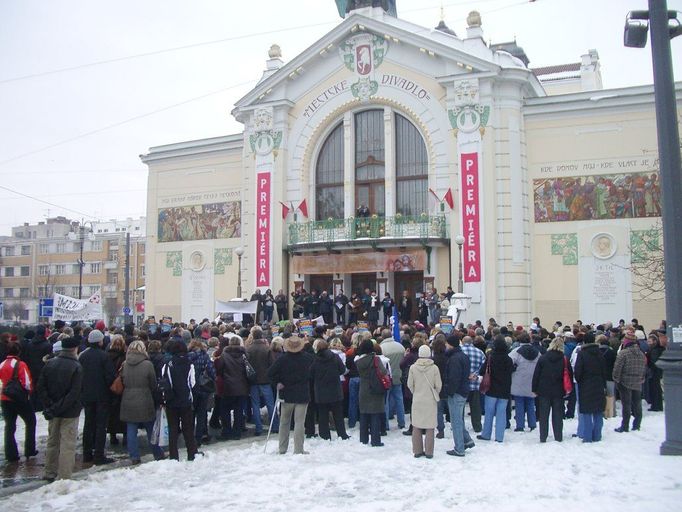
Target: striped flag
x,y
396,324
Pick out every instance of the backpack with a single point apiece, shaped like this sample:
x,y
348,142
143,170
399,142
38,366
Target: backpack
x,y
166,384
14,390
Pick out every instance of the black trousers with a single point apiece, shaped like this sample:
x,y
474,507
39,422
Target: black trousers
x,y
655,393
10,412
95,429
370,425
631,399
176,417
310,418
557,408
282,314
570,404
336,408
475,408
341,316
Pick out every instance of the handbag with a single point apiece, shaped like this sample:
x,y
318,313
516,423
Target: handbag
x,y
485,382
14,390
568,382
250,372
117,386
206,383
384,380
436,395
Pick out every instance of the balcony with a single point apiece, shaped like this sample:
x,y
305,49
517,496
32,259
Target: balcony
x,y
371,231
110,264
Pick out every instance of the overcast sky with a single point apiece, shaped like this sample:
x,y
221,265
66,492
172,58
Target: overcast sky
x,y
80,100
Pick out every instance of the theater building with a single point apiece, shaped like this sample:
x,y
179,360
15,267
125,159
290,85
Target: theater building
x,y
364,159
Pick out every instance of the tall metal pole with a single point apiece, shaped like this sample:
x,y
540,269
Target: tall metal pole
x,y
81,234
126,298
239,276
671,187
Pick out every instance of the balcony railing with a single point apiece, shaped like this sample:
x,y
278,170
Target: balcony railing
x,y
420,228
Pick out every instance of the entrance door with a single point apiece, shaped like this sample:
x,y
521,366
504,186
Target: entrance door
x,y
322,283
413,282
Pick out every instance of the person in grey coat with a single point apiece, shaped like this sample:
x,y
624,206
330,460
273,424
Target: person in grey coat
x,y
395,352
371,404
525,359
138,409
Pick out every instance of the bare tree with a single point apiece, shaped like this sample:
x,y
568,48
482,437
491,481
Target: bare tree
x,y
16,309
111,309
647,265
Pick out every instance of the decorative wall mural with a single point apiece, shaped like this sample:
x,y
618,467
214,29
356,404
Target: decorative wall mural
x,y
566,246
221,259
609,196
200,222
174,261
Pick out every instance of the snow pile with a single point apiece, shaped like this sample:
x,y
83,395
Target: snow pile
x,y
622,473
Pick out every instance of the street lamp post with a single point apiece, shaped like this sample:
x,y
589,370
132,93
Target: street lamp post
x,y
664,25
81,238
239,251
459,240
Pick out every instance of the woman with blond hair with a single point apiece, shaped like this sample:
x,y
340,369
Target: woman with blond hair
x,y
138,409
548,386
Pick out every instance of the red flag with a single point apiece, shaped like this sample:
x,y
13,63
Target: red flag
x,y
448,199
304,208
285,210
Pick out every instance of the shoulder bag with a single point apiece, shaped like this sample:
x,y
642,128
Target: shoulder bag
x,y
485,383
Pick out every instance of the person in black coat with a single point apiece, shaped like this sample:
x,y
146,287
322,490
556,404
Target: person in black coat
x,y
654,373
405,307
33,354
548,385
497,397
291,374
326,372
98,375
609,356
590,374
59,388
179,405
282,306
326,308
340,303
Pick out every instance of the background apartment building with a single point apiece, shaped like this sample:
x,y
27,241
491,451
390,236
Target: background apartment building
x,y
39,260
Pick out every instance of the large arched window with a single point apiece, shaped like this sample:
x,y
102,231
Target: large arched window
x,y
370,188
411,169
329,177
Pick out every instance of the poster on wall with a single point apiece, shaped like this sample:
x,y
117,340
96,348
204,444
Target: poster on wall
x,y
609,196
208,221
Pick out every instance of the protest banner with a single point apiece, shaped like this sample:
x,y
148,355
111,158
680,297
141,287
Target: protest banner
x,y
70,309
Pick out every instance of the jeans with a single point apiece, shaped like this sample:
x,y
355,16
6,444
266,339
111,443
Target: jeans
x,y
267,313
133,443
525,405
341,317
10,412
396,394
460,434
557,408
298,412
353,401
257,392
370,425
200,415
95,429
577,408
592,424
631,400
497,408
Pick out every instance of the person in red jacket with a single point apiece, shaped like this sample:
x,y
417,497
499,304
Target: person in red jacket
x,y
12,409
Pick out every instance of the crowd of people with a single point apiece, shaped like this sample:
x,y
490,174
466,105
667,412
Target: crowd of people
x,y
122,381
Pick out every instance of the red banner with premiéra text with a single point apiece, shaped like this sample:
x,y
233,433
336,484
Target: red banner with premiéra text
x,y
471,218
263,229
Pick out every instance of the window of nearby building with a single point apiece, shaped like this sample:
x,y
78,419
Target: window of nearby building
x,y
92,290
9,250
95,268
61,248
9,292
75,268
25,250
44,248
137,228
9,271
370,190
42,291
43,270
142,270
60,269
23,292
329,178
74,291
24,315
112,277
96,245
61,290
24,271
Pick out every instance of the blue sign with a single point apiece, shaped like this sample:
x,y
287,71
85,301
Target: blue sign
x,y
126,311
45,307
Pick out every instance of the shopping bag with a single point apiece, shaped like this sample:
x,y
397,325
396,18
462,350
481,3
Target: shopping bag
x,y
609,411
160,430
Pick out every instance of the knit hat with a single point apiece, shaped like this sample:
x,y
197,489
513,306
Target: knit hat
x,y
58,324
99,325
629,337
57,347
95,337
68,343
424,351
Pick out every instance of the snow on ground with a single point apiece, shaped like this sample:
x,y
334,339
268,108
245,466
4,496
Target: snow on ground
x,y
622,473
